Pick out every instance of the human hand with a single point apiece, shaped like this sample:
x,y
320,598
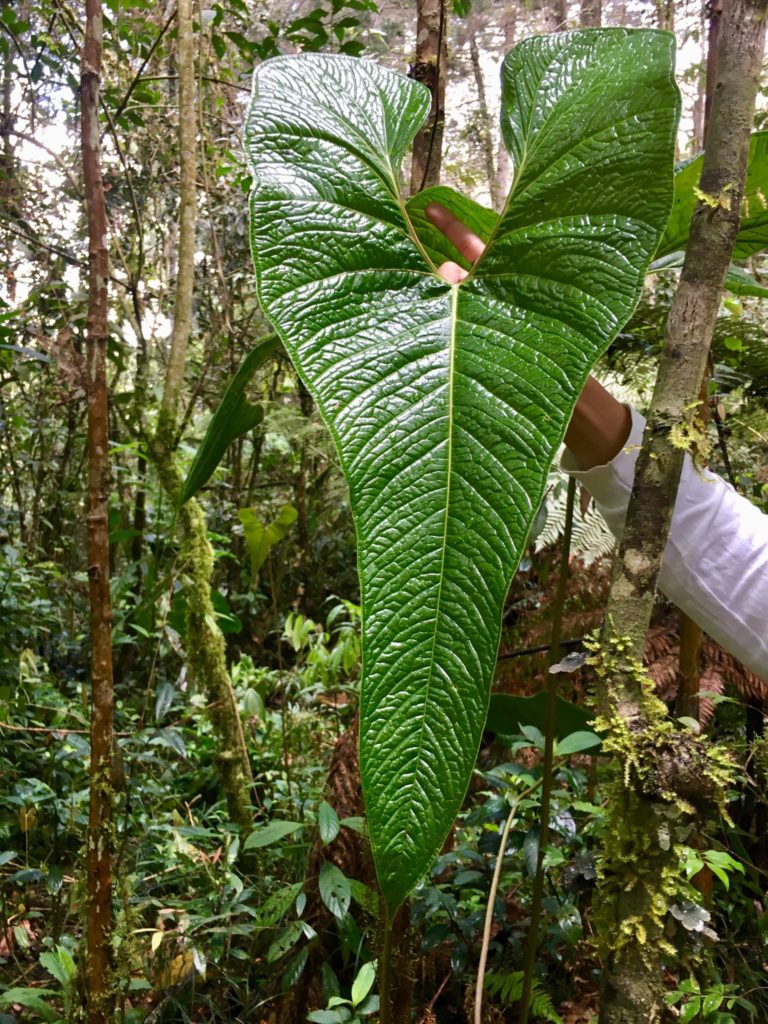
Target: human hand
x,y
600,425
466,241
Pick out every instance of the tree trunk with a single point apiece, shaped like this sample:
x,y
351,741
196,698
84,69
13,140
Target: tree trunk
x,y
590,13
99,957
429,69
689,674
715,13
497,199
663,769
205,646
556,16
509,28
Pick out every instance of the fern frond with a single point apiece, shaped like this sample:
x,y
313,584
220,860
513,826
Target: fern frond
x,y
508,988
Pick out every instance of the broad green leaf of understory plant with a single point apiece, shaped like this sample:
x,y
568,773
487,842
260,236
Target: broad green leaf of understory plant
x,y
447,403
753,232
260,539
234,417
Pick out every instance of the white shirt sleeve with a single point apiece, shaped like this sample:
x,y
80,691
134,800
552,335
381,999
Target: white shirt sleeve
x,y
715,565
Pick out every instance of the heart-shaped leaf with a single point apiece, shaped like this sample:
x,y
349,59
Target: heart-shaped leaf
x,y
260,539
447,403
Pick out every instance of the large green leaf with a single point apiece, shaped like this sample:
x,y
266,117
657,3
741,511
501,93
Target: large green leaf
x,y
447,403
753,234
737,281
507,713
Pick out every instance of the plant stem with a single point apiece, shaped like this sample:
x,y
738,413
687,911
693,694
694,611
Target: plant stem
x,y
385,973
478,1016
549,752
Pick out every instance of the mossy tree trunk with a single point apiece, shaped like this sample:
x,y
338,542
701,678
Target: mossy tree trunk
x,y
99,960
204,641
667,773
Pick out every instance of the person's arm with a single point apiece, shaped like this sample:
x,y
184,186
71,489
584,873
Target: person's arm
x,y
715,564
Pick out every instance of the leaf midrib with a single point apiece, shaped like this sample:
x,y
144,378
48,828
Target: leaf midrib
x,y
444,546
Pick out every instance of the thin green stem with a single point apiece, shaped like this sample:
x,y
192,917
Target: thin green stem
x,y
532,938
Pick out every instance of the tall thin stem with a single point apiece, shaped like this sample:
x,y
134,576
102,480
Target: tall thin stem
x,y
532,939
99,960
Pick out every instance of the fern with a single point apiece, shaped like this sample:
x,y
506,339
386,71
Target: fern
x,y
508,988
591,537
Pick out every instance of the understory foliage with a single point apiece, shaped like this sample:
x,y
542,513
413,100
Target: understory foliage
x,y
210,924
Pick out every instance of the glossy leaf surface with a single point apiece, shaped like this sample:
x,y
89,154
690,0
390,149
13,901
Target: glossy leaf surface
x,y
753,233
737,281
447,403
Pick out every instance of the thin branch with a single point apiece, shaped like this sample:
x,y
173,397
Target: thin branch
x,y
203,78
137,78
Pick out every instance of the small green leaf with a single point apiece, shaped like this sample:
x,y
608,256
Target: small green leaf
x,y
271,833
710,1002
577,742
234,417
363,983
288,938
60,964
534,735
294,969
31,999
356,823
261,539
363,895
335,891
275,906
327,822
690,1010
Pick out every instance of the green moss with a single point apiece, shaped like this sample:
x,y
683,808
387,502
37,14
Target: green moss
x,y
664,777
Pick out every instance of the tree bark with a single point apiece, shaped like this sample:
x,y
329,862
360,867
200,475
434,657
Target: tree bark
x,y
663,766
100,991
591,13
429,68
497,199
556,16
185,274
205,645
715,14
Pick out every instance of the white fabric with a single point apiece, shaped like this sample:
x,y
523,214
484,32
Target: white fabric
x,y
715,563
